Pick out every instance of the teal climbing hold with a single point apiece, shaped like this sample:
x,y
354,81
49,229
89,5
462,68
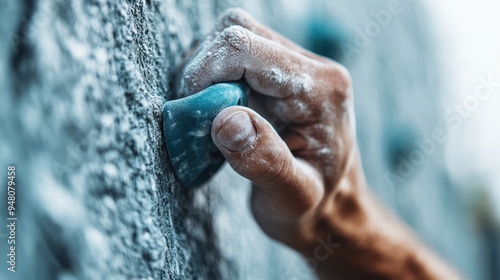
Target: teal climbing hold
x,y
187,126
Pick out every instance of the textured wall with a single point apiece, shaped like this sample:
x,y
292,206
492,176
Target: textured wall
x,y
82,87
83,84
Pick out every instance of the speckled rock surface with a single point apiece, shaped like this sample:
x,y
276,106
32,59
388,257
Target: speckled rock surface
x,y
83,83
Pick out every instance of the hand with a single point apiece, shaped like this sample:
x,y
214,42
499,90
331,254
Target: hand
x,y
310,95
297,145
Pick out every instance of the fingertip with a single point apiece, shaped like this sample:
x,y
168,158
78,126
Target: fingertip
x,y
233,129
250,144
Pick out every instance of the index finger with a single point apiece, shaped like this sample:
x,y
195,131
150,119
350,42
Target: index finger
x,y
237,16
268,67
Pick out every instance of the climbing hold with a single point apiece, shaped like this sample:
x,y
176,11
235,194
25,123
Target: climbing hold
x,y
187,125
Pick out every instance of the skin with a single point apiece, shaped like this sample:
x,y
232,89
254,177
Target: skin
x,y
297,145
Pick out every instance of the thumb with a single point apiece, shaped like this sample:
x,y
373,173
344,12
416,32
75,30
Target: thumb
x,y
255,150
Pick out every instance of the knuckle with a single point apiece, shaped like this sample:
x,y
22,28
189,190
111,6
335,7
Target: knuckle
x,y
341,80
234,16
237,38
344,74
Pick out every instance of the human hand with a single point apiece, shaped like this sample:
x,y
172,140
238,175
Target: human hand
x,y
297,145
296,170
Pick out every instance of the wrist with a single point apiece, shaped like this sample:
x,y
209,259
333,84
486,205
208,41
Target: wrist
x,y
352,234
357,238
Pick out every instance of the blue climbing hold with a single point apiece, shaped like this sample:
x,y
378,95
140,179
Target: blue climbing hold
x,y
187,125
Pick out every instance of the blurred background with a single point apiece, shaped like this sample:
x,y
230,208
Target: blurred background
x,y
470,46
83,83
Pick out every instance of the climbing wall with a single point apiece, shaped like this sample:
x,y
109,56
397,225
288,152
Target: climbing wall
x,y
83,83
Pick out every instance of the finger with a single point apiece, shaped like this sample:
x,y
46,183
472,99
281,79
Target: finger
x,y
268,67
254,150
237,53
237,16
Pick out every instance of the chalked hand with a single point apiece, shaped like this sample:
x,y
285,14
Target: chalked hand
x,y
309,97
297,145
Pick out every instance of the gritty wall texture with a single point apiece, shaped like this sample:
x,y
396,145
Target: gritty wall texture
x,y
83,83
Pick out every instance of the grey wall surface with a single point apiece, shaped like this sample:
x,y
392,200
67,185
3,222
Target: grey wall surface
x,y
83,83
82,88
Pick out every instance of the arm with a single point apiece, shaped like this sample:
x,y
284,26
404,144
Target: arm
x,y
297,145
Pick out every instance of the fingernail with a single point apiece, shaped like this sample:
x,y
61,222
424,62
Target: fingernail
x,y
237,132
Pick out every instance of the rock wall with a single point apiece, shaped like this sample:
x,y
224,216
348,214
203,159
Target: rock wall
x,y
83,83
